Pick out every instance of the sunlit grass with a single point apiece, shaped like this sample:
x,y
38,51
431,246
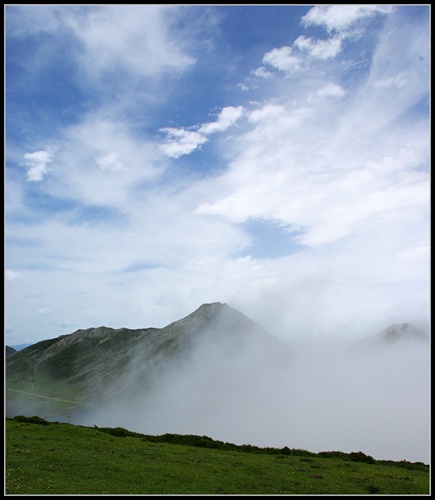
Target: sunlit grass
x,y
66,459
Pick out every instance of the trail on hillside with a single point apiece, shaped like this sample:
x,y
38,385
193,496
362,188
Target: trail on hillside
x,y
46,397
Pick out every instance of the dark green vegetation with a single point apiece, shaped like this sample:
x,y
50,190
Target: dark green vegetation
x,y
54,458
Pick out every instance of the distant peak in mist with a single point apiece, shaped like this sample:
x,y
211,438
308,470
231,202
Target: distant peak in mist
x,y
393,334
398,331
401,331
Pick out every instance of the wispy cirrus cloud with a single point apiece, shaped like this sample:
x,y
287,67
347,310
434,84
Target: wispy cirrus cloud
x,y
311,165
103,40
138,39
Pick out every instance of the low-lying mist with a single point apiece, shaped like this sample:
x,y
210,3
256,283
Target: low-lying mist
x,y
319,396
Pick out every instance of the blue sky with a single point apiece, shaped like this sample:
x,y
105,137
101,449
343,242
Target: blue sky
x,y
158,157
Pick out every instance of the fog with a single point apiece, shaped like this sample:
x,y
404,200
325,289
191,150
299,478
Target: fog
x,y
317,396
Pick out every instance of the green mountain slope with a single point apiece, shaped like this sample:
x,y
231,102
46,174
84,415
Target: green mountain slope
x,y
55,458
82,370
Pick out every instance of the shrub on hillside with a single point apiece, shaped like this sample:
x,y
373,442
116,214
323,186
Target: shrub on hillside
x,y
359,456
31,420
117,431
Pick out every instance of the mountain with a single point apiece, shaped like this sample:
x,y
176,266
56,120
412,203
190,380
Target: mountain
x,y
9,350
59,376
395,334
19,347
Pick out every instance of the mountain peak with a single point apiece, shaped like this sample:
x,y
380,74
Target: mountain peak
x,y
212,307
398,331
392,334
215,316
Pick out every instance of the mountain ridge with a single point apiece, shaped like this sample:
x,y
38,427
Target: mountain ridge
x,y
123,359
89,365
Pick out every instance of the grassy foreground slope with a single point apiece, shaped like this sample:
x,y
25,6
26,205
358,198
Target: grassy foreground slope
x,y
55,458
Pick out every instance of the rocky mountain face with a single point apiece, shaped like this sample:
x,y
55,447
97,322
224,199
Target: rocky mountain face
x,y
88,366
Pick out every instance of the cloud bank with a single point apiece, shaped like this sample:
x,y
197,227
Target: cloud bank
x,y
317,397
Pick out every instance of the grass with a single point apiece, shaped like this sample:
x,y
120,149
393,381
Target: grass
x,y
44,396
55,458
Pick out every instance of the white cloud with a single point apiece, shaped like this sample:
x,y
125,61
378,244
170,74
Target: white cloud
x,y
266,113
181,142
138,39
399,80
36,164
9,330
331,90
34,19
243,87
11,275
417,253
100,160
110,162
44,311
320,49
261,72
295,189
135,38
227,117
334,18
342,17
283,60
321,169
